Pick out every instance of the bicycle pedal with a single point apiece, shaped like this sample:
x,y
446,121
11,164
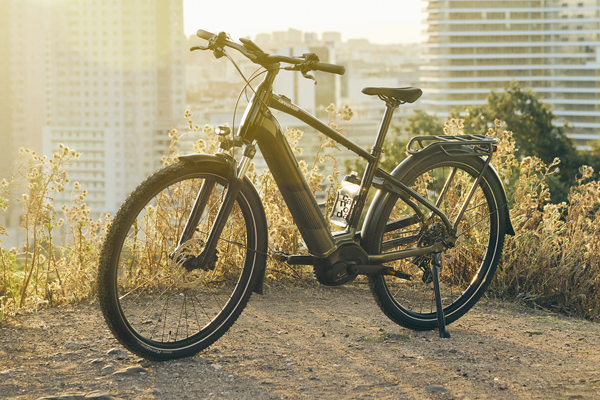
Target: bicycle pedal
x,y
399,274
281,256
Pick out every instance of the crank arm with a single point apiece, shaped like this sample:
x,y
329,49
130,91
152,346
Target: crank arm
x,y
379,270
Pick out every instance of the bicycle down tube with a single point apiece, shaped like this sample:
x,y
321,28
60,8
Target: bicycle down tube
x,y
258,124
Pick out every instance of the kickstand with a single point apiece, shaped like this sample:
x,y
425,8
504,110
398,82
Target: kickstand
x,y
436,264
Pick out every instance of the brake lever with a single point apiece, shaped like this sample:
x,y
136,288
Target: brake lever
x,y
306,66
215,44
304,69
199,48
307,76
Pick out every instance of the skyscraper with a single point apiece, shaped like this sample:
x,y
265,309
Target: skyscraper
x,y
107,75
550,46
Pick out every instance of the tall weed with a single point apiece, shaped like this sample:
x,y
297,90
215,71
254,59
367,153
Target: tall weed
x,y
57,261
553,261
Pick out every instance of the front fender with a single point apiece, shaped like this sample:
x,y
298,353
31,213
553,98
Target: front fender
x,y
219,160
225,163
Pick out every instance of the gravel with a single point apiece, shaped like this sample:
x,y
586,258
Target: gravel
x,y
310,342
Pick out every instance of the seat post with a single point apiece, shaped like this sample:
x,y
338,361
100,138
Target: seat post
x,y
386,121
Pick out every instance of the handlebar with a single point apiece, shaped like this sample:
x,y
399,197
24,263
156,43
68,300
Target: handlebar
x,y
204,34
331,68
256,55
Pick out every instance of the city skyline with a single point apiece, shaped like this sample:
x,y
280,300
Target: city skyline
x,y
110,79
105,78
383,22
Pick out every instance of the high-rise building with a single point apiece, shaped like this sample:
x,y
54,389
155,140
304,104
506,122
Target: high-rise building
x,y
95,169
550,46
102,76
331,37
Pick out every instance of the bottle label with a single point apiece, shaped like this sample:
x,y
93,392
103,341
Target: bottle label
x,y
342,208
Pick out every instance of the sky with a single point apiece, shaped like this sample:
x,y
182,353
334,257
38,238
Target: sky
x,y
379,21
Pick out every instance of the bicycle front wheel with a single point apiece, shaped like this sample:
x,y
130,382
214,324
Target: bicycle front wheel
x,y
467,268
153,305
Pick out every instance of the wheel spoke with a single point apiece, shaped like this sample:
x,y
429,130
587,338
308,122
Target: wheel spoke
x,y
162,303
447,183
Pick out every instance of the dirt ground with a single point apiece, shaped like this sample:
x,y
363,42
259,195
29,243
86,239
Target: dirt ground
x,y
311,342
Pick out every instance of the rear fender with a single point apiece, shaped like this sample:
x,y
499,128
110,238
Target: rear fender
x,y
376,208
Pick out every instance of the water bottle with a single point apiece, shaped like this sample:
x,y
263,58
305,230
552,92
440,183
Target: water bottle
x,y
345,200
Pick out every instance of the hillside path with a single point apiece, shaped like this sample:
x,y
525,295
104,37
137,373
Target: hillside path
x,y
311,342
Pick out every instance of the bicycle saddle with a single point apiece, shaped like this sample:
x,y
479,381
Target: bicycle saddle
x,y
406,94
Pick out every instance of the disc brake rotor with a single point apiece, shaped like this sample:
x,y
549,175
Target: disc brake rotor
x,y
179,274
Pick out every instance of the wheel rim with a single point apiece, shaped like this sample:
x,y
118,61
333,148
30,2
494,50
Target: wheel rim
x,y
465,267
163,304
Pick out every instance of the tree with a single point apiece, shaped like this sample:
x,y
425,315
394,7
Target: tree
x,y
529,119
420,123
535,134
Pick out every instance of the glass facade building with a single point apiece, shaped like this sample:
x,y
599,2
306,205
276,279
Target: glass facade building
x,y
551,47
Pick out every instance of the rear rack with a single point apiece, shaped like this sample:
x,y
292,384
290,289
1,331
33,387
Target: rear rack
x,y
483,145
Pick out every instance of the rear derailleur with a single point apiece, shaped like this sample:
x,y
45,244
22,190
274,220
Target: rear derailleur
x,y
437,232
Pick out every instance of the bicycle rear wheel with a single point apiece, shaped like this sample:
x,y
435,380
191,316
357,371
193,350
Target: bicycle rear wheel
x,y
467,268
153,305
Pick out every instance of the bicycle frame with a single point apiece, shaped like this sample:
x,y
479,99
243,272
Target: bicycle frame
x,y
259,127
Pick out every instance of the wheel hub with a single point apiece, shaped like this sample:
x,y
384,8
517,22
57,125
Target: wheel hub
x,y
437,232
186,263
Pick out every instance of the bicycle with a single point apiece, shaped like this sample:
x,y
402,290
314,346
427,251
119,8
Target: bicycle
x,y
189,246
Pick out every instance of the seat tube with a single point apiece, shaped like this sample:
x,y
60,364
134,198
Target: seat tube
x,y
371,166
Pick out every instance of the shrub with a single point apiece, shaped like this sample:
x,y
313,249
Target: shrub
x,y
553,260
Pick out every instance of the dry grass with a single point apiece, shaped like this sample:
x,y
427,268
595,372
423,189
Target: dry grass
x,y
57,261
553,261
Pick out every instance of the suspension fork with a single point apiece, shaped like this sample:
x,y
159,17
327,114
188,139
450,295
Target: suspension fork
x,y
233,189
197,210
234,186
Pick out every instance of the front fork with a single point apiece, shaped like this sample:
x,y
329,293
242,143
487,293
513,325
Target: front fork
x,y
233,189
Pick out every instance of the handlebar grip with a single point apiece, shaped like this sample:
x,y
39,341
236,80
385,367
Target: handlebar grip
x,y
331,68
204,34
